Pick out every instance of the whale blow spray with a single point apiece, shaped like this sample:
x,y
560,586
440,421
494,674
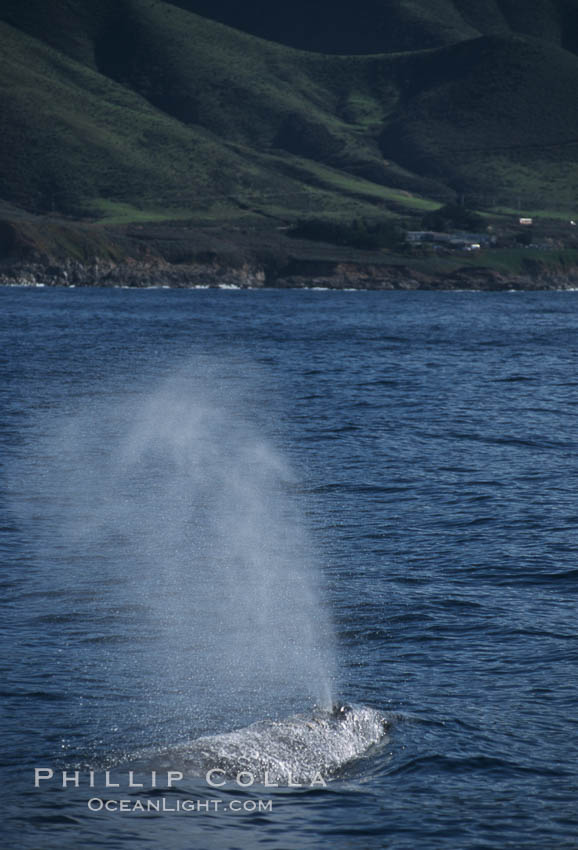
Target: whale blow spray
x,y
180,519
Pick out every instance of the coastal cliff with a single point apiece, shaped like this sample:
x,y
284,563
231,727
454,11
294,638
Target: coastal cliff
x,y
297,274
57,252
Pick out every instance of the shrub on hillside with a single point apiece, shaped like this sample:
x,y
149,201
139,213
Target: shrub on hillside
x,y
453,217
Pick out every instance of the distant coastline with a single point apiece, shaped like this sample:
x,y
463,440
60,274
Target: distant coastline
x,y
305,275
54,251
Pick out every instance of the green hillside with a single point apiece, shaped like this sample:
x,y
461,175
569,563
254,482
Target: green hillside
x,y
153,123
141,109
493,117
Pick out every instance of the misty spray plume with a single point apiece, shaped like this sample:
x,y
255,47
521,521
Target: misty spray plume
x,y
169,520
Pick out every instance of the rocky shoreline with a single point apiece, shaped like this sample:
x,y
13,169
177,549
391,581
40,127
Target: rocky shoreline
x,y
400,277
298,274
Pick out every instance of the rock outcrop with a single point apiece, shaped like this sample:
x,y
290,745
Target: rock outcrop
x,y
299,274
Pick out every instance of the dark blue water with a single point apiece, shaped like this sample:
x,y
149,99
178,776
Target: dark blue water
x,y
433,453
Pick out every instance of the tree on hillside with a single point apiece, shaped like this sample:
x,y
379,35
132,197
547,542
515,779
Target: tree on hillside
x,y
453,217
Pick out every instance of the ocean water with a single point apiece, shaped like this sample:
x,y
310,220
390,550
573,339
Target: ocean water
x,y
221,508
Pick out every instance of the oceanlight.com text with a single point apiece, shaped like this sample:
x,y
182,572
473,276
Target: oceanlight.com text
x,y
161,804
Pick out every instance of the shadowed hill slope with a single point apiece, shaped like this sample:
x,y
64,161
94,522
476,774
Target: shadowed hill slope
x,y
382,26
490,116
142,107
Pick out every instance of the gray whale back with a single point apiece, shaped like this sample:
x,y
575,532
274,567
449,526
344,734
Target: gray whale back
x,y
295,749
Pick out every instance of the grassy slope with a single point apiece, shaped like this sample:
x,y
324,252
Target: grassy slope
x,y
139,108
71,136
178,130
496,118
